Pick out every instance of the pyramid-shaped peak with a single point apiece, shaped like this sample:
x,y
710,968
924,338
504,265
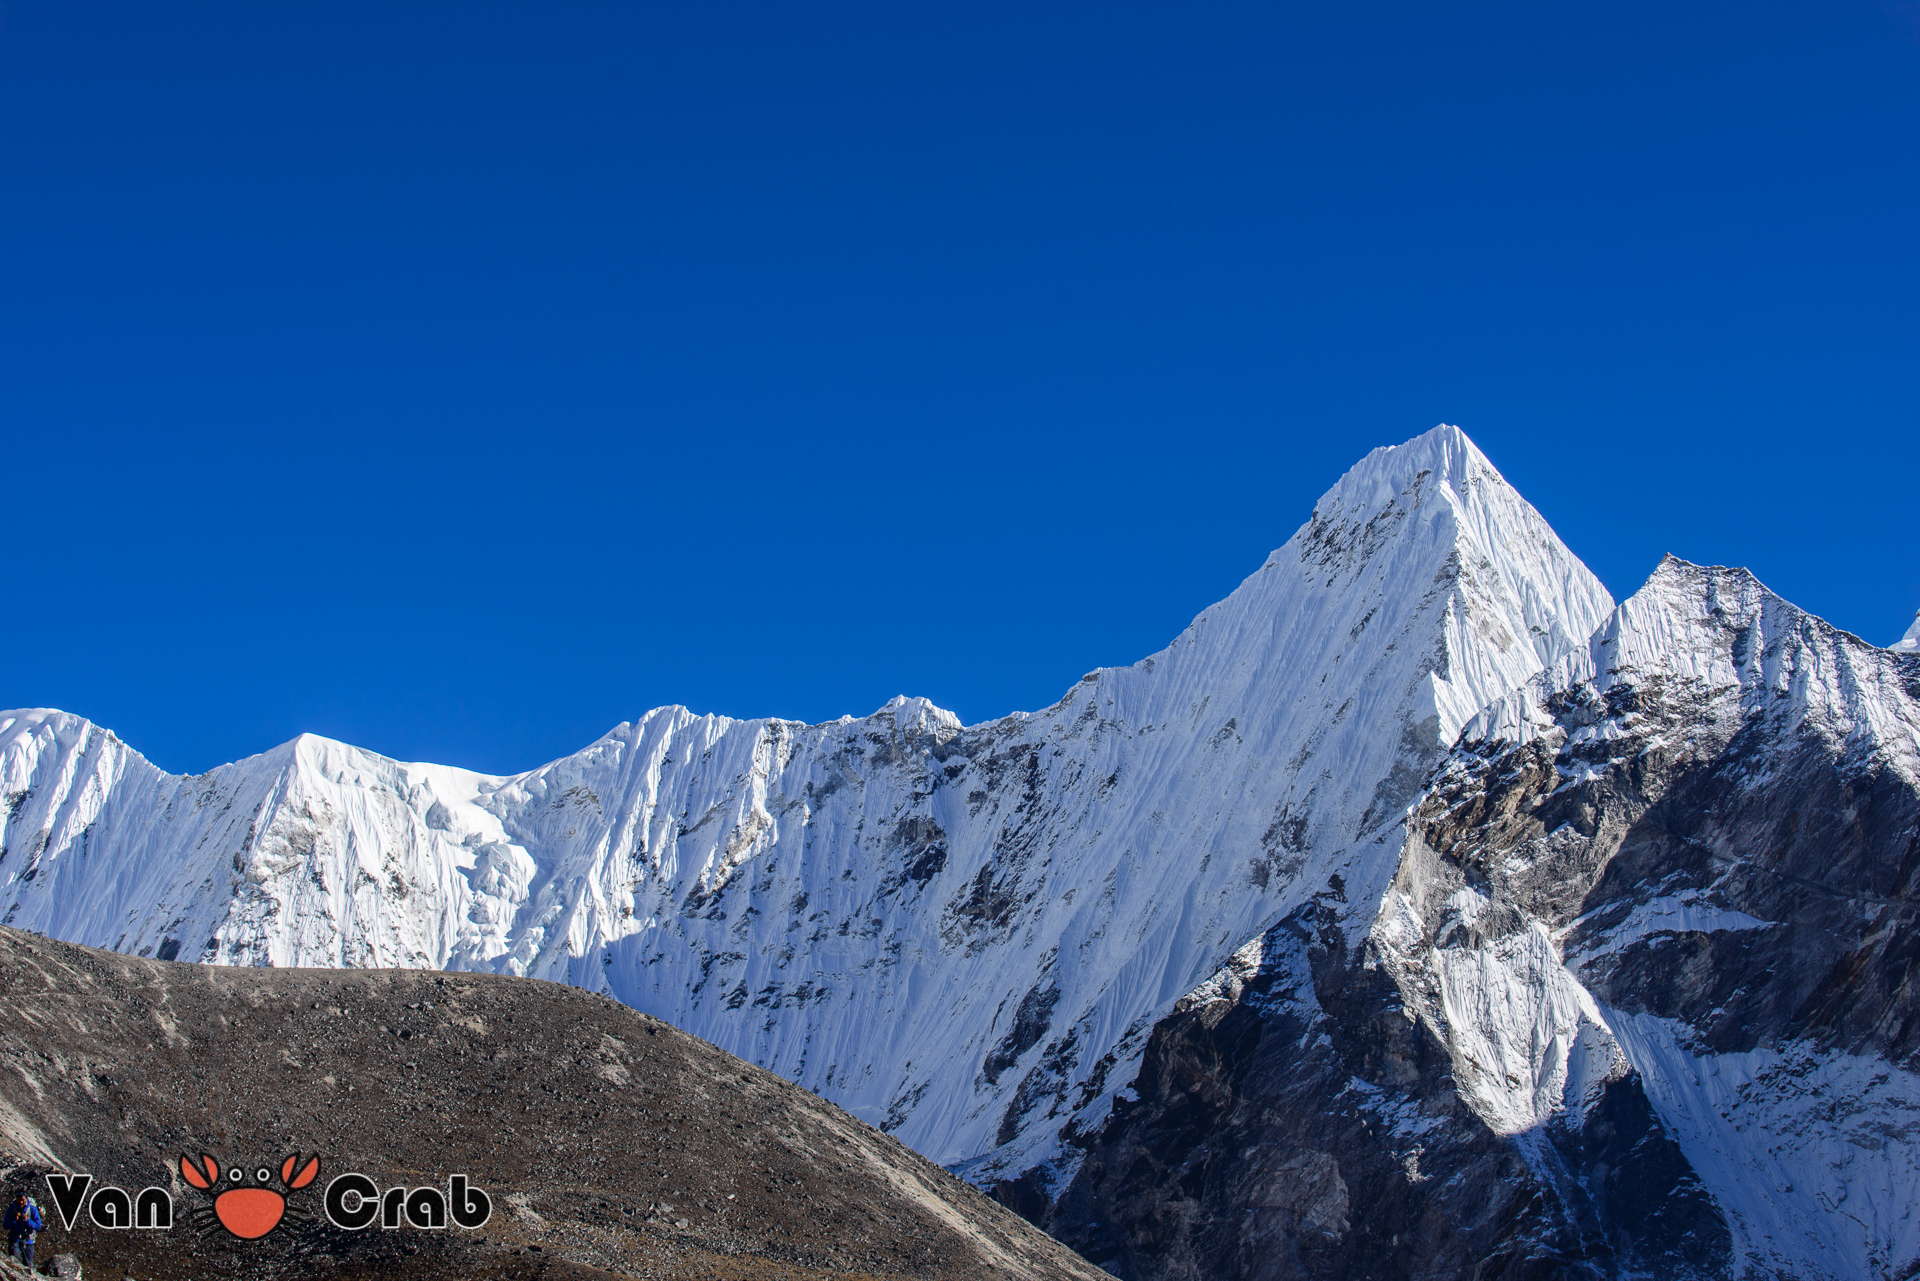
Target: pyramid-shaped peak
x,y
1423,587
1445,451
1439,492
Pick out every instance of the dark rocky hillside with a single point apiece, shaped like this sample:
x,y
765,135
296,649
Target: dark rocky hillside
x,y
611,1144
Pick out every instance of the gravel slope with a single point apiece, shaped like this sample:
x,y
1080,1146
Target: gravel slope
x,y
612,1144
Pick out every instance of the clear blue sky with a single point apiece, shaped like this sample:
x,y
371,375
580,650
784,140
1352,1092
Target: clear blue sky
x,y
462,379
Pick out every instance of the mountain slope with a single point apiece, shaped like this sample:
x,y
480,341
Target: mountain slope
x,y
1636,1002
1016,903
609,1143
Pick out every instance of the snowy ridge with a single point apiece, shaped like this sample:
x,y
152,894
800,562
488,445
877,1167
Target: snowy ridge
x,y
1014,903
1721,629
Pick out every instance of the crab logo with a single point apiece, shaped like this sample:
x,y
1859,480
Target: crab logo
x,y
248,1208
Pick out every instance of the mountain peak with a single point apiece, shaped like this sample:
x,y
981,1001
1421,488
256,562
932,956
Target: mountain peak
x,y
1390,469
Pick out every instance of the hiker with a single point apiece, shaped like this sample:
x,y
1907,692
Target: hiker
x,y
22,1221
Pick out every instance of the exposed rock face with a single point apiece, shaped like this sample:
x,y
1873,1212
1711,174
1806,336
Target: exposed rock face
x,y
1292,1122
611,1144
1636,1002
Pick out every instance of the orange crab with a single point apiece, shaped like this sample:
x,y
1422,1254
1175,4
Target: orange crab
x,y
249,1210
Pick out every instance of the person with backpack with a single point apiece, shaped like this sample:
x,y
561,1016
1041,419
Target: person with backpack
x,y
22,1221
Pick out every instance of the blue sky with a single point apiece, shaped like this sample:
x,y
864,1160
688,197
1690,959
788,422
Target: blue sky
x,y
462,379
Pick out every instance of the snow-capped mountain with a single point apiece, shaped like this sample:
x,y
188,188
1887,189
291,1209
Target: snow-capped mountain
x,y
1346,890
961,933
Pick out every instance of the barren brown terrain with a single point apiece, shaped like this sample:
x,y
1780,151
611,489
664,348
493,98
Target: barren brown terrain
x,y
611,1144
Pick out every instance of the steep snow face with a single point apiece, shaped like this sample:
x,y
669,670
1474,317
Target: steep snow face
x,y
312,854
962,934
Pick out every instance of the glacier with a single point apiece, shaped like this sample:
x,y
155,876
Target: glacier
x,y
976,936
